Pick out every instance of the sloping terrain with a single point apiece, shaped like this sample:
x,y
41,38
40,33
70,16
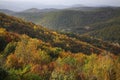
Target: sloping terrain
x,y
32,52
13,24
16,25
6,11
108,30
92,21
83,20
71,20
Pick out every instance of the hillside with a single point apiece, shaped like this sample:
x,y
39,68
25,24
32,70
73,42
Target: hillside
x,y
32,10
6,11
92,21
102,44
108,34
13,24
32,52
108,30
71,19
74,45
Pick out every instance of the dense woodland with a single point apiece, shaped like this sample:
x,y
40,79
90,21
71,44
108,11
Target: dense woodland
x,y
32,52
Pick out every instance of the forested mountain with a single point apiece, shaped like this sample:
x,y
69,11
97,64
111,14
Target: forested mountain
x,y
33,52
92,21
7,11
107,30
35,10
13,24
71,19
19,26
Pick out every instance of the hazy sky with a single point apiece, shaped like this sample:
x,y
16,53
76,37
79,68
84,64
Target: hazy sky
x,y
24,4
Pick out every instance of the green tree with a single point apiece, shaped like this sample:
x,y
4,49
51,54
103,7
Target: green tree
x,y
10,48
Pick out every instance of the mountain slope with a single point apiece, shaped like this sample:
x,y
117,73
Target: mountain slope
x,y
32,10
13,24
108,30
80,21
31,52
83,20
30,58
108,34
74,45
7,11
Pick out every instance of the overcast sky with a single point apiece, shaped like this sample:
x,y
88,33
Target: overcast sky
x,y
25,4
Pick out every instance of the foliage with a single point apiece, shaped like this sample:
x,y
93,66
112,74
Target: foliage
x,y
3,73
10,48
40,54
31,76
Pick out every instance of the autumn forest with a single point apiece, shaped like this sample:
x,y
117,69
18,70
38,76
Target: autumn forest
x,y
30,51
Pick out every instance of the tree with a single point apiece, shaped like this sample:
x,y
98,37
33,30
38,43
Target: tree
x,y
26,50
12,61
10,48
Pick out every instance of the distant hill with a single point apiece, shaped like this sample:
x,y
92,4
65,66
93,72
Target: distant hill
x,y
35,10
32,10
7,11
107,34
71,19
107,30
